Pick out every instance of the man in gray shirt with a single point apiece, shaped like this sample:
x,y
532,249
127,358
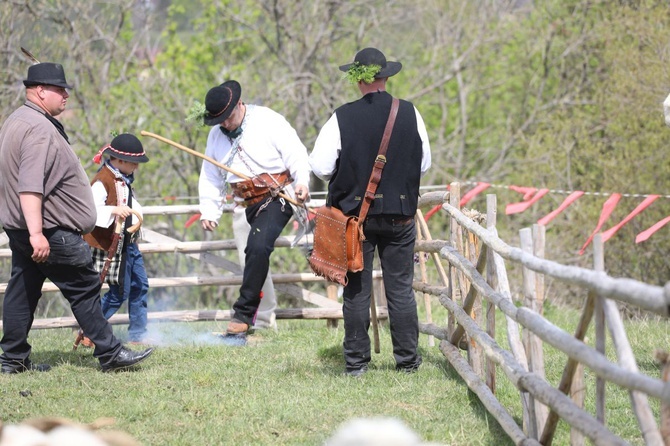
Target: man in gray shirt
x,y
46,204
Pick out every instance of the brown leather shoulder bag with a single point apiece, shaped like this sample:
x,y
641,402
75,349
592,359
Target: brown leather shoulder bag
x,y
338,238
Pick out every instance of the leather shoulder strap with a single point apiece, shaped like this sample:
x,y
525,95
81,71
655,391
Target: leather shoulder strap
x,y
380,162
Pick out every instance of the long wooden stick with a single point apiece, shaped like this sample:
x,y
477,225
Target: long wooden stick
x,y
217,164
374,320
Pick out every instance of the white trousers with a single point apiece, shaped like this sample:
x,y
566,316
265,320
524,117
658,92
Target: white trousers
x,y
266,311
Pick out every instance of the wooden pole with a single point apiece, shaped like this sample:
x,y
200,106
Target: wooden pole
x,y
454,199
532,343
491,221
599,314
577,393
217,164
663,358
639,401
475,355
373,319
424,278
570,370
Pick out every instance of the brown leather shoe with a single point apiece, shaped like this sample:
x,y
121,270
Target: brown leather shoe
x,y
237,327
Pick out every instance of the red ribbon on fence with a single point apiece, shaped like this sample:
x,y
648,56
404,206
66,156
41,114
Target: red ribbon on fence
x,y
644,235
472,193
193,219
567,202
530,198
608,208
641,207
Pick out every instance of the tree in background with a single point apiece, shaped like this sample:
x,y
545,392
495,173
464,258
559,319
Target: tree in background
x,y
558,94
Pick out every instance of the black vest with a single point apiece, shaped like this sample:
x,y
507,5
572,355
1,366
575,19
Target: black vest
x,y
362,125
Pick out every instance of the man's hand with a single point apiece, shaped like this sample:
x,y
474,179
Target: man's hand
x,y
301,193
208,225
40,246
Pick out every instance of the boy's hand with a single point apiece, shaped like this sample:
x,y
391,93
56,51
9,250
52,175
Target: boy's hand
x,y
121,211
208,225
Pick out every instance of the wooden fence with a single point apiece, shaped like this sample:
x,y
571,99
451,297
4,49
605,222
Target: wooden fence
x,y
472,289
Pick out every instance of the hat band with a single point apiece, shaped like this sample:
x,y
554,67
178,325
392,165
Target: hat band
x,y
226,107
98,157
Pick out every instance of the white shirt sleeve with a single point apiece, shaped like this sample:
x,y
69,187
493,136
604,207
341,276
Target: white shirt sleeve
x,y
327,149
423,133
292,151
105,217
211,182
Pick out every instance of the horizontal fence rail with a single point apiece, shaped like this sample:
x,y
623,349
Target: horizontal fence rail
x,y
473,283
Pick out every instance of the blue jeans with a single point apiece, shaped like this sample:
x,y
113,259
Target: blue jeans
x,y
70,268
393,238
135,289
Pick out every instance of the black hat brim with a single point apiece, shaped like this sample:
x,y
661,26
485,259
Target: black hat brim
x,y
391,69
131,159
55,83
236,89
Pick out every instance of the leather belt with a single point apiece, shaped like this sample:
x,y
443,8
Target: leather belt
x,y
260,187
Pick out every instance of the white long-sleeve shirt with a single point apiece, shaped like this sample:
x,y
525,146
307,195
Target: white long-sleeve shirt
x,y
328,145
269,145
105,217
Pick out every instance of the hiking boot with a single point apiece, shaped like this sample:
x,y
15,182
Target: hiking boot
x,y
411,368
13,367
357,373
237,327
234,339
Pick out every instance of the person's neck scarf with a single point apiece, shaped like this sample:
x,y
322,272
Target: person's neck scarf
x,y
127,178
232,134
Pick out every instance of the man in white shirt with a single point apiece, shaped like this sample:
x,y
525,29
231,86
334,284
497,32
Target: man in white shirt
x,y
344,154
265,156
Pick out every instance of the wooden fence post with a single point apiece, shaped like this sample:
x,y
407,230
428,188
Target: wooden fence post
x,y
663,358
491,278
454,200
599,316
331,293
533,343
577,392
424,277
639,400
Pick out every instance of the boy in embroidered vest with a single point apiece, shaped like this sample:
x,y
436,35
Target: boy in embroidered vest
x,y
114,199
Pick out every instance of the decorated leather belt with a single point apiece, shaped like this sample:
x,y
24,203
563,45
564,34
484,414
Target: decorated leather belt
x,y
260,187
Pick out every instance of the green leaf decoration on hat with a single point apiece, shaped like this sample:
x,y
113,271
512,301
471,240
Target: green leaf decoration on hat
x,y
365,73
197,113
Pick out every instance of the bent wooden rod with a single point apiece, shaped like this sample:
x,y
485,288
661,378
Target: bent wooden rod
x,y
217,164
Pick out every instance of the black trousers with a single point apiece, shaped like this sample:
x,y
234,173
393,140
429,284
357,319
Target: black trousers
x,y
70,268
267,220
393,238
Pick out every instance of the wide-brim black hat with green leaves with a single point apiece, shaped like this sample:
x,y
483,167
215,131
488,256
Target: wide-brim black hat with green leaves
x,y
221,101
372,56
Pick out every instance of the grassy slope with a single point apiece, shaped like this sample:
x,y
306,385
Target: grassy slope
x,y
287,388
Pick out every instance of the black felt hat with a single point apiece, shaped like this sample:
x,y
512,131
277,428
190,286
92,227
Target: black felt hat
x,y
372,56
46,73
125,147
220,102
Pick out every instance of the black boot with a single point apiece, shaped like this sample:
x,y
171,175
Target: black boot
x,y
127,358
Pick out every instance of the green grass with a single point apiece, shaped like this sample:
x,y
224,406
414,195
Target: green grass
x,y
285,388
